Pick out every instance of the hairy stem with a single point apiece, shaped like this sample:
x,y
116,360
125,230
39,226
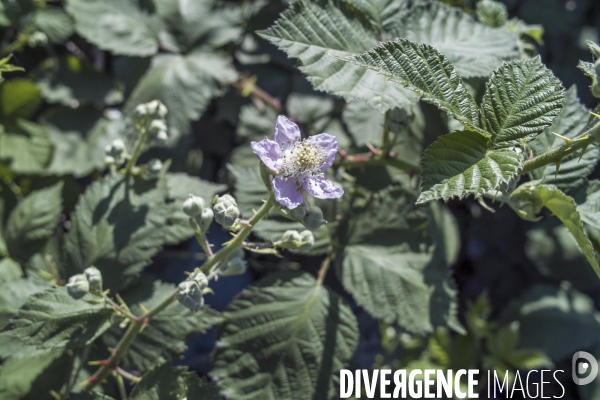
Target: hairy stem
x,y
556,155
248,86
137,150
138,322
323,270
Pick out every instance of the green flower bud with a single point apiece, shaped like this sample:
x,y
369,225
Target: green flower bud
x,y
37,38
193,205
308,237
161,138
314,219
141,110
116,149
155,166
206,218
238,252
78,286
156,126
189,294
226,212
226,198
108,160
200,278
157,108
299,212
94,278
235,266
290,240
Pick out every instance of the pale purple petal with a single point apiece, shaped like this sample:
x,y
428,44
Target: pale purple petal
x,y
269,153
287,193
286,132
323,189
330,144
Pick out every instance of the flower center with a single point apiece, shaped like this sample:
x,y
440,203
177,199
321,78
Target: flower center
x,y
303,159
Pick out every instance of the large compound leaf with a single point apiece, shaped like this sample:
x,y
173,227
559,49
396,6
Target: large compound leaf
x,y
118,26
522,98
184,83
53,319
165,335
396,260
574,169
313,30
473,48
426,71
117,227
461,163
528,200
33,221
285,338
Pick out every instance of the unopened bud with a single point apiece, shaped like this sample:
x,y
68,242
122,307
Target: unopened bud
x,y
155,166
157,108
226,211
308,237
37,38
78,286
299,212
108,160
94,278
115,149
193,205
206,218
314,219
189,294
200,278
235,266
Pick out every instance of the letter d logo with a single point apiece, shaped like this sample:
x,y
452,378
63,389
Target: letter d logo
x,y
580,369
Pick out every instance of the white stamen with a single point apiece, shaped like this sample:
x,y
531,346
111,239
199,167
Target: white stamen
x,y
302,160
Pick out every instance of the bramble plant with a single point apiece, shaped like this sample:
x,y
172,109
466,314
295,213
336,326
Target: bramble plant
x,y
335,204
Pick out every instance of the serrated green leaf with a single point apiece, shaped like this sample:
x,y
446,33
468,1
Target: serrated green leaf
x,y
70,82
424,70
14,293
309,30
396,261
184,83
19,98
460,164
33,221
294,335
9,270
180,186
167,383
53,319
33,376
528,200
573,169
521,99
54,22
474,49
587,68
116,227
26,147
165,335
118,26
364,122
492,13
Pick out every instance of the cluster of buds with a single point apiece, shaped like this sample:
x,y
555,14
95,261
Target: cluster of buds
x,y
200,215
90,281
293,239
115,153
310,217
190,291
235,264
226,211
150,120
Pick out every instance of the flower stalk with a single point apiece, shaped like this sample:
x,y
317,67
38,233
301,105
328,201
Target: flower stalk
x,y
138,323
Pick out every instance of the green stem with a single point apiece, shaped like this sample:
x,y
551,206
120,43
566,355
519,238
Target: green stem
x,y
556,155
137,150
136,325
